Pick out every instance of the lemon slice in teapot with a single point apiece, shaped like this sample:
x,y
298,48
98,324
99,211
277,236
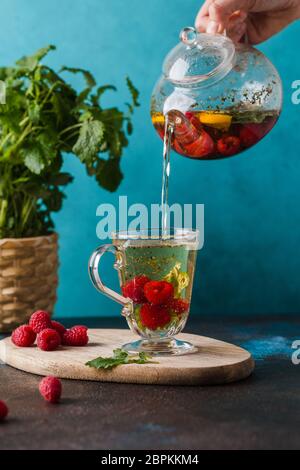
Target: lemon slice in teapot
x,y
216,120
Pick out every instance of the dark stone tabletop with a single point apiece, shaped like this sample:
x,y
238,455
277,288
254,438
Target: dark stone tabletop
x,y
262,412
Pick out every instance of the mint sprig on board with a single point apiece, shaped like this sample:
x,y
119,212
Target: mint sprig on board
x,y
119,357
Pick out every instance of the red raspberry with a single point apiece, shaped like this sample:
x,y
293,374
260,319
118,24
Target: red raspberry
x,y
179,306
76,336
3,410
23,336
158,292
229,145
55,325
154,316
134,289
189,115
50,389
48,339
248,136
39,321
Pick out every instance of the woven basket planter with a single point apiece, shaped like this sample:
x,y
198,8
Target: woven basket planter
x,y
28,278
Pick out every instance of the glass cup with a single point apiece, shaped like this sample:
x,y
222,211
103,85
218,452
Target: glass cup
x,y
156,272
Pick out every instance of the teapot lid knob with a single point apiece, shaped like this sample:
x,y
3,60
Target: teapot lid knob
x,y
188,36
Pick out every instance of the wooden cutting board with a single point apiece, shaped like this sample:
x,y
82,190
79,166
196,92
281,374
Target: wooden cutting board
x,y
215,362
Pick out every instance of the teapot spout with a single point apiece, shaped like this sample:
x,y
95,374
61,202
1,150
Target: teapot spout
x,y
189,137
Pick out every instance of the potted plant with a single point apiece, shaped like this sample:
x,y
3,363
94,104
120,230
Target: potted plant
x,y
43,119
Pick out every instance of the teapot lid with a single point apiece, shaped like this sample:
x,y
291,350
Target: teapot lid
x,y
199,57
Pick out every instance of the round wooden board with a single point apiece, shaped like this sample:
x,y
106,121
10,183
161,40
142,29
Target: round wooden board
x,y
215,362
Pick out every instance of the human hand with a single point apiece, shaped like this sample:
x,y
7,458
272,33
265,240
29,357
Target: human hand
x,y
258,19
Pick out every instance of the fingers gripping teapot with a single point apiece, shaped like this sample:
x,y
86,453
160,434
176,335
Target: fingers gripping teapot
x,y
219,98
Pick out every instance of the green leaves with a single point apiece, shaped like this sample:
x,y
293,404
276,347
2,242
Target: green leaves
x,y
134,93
34,159
90,81
108,174
30,62
100,90
119,357
90,138
45,117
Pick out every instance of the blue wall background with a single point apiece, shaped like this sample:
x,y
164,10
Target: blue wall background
x,y
250,263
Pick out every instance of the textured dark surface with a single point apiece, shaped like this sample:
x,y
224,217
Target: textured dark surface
x,y
261,412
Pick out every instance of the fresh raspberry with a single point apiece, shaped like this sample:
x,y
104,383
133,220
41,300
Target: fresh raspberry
x,y
50,389
179,306
134,289
158,292
154,316
40,320
229,145
189,115
23,336
76,336
48,339
55,325
248,136
3,410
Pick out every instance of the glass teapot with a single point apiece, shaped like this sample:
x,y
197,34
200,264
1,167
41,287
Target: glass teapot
x,y
217,98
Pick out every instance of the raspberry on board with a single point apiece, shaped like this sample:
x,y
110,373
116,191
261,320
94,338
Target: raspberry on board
x,y
3,410
76,336
59,327
39,321
23,336
48,339
50,388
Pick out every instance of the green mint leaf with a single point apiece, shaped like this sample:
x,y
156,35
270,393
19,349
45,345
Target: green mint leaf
x,y
103,363
82,97
34,112
34,159
61,179
54,200
108,174
30,62
129,128
119,357
89,78
144,356
89,140
133,91
120,354
100,90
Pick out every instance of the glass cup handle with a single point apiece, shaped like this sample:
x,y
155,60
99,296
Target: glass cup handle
x,y
93,266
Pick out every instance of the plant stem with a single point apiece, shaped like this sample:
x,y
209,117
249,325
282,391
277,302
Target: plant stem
x,y
75,126
3,211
